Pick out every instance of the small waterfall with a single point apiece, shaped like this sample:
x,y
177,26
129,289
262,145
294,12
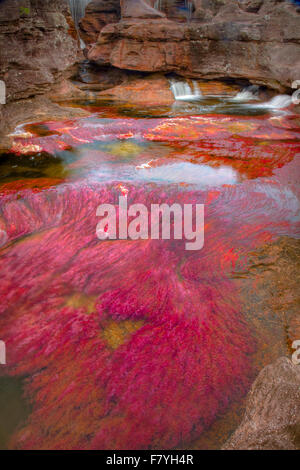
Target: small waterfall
x,y
278,102
248,94
183,91
189,6
197,91
251,93
158,5
186,5
77,8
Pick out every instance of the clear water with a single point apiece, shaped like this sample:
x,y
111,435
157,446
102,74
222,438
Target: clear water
x,y
111,336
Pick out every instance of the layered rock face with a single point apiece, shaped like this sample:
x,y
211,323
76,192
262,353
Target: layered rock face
x,y
98,14
272,417
37,44
258,40
153,91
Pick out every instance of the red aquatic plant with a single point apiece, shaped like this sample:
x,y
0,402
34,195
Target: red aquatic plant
x,y
127,344
64,135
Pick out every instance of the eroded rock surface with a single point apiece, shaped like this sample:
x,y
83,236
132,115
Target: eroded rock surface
x,y
98,14
37,45
258,40
155,90
272,417
269,286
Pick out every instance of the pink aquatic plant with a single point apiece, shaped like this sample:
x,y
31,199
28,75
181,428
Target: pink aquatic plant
x,y
127,344
67,134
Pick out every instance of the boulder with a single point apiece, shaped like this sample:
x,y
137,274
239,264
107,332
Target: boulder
x,y
98,14
272,417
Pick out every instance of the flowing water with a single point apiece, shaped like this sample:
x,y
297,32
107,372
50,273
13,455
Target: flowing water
x,y
141,344
179,8
184,91
77,8
248,94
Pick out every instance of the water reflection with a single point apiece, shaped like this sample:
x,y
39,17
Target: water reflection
x,y
202,176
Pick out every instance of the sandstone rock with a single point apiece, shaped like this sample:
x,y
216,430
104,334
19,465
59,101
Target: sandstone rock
x,y
273,312
147,45
251,6
230,40
66,91
90,74
39,108
215,87
37,45
269,6
38,48
272,417
211,6
153,91
231,11
98,14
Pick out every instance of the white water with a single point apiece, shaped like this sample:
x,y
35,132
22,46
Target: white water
x,y
159,5
278,102
251,94
183,91
248,94
77,8
189,7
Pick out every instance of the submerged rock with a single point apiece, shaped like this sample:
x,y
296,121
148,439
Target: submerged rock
x,y
272,417
274,309
154,90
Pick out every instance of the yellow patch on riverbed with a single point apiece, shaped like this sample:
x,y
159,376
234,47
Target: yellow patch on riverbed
x,y
116,333
79,300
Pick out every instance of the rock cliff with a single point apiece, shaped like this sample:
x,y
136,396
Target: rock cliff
x,y
99,13
37,45
38,49
258,40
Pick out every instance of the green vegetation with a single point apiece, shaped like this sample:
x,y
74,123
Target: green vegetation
x,y
25,11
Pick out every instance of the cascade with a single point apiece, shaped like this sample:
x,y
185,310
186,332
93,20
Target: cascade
x,y
189,6
77,8
183,91
186,6
247,94
278,102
